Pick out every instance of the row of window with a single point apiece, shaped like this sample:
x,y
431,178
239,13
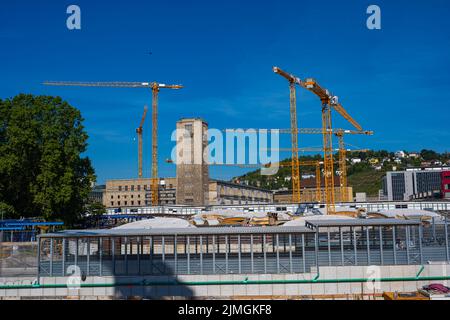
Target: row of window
x,y
138,203
138,187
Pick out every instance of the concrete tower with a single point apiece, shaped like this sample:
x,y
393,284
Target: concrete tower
x,y
192,171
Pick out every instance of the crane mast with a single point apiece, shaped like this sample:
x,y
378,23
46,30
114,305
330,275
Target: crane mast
x,y
294,134
155,87
139,131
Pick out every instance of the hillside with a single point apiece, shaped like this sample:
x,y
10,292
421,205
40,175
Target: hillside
x,y
363,176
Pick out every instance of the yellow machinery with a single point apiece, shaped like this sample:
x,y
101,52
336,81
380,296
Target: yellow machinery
x,y
139,133
294,134
339,133
155,87
328,101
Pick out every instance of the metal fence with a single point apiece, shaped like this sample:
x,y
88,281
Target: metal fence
x,y
242,251
18,259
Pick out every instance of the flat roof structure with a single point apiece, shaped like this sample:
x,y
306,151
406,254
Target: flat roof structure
x,y
176,231
360,223
242,250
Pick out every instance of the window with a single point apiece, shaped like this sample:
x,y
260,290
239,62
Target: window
x,y
126,202
120,188
139,187
112,203
132,196
118,203
132,188
126,188
118,197
132,203
112,197
139,202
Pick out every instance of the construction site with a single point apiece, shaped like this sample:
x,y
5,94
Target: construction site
x,y
193,237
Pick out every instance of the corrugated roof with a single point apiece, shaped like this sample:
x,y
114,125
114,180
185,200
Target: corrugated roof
x,y
359,222
174,231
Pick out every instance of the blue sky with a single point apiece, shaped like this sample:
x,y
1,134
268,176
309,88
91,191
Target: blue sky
x,y
394,81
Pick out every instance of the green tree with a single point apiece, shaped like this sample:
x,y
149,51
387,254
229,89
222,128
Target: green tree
x,y
429,155
42,172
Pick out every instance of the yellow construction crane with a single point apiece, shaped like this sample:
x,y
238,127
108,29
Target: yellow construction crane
x,y
139,133
282,165
155,87
293,80
328,101
339,133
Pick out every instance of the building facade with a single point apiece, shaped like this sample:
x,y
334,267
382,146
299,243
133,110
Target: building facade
x,y
414,183
129,193
222,192
192,170
137,193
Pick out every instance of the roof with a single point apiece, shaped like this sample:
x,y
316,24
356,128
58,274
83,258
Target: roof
x,y
157,222
359,222
174,231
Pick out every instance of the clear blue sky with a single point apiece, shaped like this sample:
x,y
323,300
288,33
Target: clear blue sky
x,y
394,81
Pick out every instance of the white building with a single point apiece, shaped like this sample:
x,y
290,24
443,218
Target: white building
x,y
400,154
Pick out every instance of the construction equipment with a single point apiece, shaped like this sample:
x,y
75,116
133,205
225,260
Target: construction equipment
x,y
294,134
328,101
139,133
155,87
339,133
315,163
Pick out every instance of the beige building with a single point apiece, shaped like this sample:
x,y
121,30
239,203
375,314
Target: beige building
x,y
222,192
308,192
192,170
309,195
137,193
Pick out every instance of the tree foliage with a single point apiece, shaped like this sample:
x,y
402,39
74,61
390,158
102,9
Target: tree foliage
x,y
42,171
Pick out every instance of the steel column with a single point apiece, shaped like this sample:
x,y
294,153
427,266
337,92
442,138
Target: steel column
x,y
188,241
329,246
367,244
51,256
420,243
380,231
64,257
354,246
175,253
251,252
113,255
341,241
226,253
290,253
394,244
277,253
214,253
446,238
264,253
88,256
239,253
100,256
407,244
303,252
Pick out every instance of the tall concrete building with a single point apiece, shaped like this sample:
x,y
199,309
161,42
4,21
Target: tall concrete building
x,y
192,170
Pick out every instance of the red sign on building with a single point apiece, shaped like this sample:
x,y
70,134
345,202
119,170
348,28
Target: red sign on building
x,y
445,184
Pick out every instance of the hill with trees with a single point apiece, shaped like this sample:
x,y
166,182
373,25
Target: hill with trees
x,y
364,169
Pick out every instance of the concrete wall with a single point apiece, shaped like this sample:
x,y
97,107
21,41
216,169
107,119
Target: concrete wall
x,y
293,290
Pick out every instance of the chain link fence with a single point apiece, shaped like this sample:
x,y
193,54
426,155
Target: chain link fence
x,y
18,259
